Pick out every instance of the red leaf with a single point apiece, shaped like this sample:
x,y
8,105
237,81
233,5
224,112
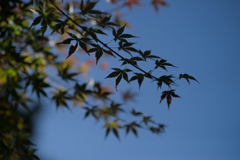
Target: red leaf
x,y
163,96
129,3
169,100
155,3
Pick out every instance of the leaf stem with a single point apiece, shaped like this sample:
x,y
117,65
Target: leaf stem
x,y
97,40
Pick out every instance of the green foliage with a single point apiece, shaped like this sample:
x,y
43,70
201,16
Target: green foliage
x,y
30,66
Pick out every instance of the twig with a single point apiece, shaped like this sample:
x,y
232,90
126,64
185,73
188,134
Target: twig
x,y
97,40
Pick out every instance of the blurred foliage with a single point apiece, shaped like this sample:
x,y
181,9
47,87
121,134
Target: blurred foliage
x,y
34,37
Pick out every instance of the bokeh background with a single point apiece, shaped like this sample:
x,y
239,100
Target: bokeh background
x,y
201,38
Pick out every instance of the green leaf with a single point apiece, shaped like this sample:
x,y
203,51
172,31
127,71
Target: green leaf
x,y
81,7
107,132
139,77
36,21
93,50
66,41
120,30
96,12
93,35
131,49
153,56
128,52
115,132
114,34
85,39
127,44
84,47
90,6
96,30
146,53
86,114
118,80
116,69
125,76
43,27
72,49
72,35
127,70
127,36
127,130
98,55
113,74
137,59
109,52
135,131
106,19
140,80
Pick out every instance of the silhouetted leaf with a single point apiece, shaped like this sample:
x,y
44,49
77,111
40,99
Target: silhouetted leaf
x,y
127,36
83,46
136,113
187,77
66,41
168,94
43,27
118,80
162,63
120,30
36,21
113,74
72,49
96,30
115,132
107,132
125,76
98,55
163,96
135,131
139,77
169,100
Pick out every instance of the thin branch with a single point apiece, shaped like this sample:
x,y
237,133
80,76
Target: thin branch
x,y
97,40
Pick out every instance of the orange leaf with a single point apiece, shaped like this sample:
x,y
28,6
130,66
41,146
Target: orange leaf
x,y
104,65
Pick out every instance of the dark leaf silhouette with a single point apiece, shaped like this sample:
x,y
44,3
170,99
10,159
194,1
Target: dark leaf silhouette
x,y
187,77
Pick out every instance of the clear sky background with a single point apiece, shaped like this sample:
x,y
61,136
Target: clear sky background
x,y
201,38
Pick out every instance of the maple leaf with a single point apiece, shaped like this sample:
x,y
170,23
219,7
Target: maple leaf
x,y
155,3
169,95
187,77
129,3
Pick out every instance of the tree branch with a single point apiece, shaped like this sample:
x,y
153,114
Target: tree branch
x,y
97,40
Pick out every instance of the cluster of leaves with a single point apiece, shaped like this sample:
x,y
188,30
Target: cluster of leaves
x,y
131,3
29,65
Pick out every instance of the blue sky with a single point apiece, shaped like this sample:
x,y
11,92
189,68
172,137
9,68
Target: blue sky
x,y
201,38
